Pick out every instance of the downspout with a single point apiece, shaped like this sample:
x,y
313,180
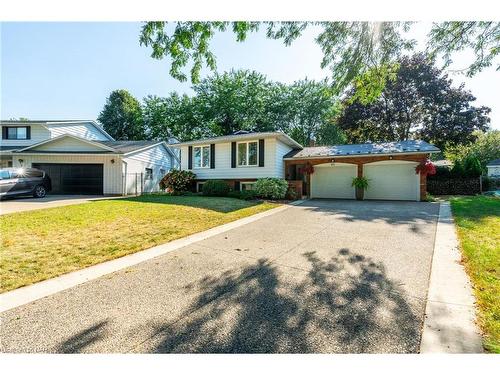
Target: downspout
x,y
124,179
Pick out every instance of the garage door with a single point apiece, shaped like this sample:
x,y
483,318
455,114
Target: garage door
x,y
74,178
392,180
333,181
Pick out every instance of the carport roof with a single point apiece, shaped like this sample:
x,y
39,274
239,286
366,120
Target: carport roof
x,y
363,149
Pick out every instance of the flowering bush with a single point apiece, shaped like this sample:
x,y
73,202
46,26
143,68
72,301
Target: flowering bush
x,y
177,181
307,169
426,168
272,188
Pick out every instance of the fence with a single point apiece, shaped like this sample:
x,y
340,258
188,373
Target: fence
x,y
133,183
454,186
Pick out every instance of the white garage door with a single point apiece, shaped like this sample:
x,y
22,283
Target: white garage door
x,y
393,180
333,181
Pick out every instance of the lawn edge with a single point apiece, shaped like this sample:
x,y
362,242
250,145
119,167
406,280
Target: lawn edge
x,y
29,293
450,312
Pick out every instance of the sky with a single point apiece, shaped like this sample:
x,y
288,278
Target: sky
x,y
61,71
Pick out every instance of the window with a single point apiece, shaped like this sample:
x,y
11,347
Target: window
x,y
201,156
149,174
163,172
199,187
247,186
16,132
247,154
4,175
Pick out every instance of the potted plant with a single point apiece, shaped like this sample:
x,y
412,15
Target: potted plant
x,y
361,184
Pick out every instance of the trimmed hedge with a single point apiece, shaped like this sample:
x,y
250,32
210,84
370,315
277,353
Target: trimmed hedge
x,y
215,188
246,195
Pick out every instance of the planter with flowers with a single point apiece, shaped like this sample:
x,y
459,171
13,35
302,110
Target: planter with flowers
x,y
361,184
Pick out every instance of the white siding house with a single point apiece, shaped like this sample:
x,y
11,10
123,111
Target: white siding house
x,y
223,157
81,158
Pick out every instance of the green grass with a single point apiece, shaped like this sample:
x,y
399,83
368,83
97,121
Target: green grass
x,y
478,225
41,244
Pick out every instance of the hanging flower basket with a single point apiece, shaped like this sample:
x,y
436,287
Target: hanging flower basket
x,y
308,169
426,168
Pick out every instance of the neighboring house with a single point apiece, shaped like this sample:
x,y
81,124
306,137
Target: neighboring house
x,y
244,157
493,168
81,158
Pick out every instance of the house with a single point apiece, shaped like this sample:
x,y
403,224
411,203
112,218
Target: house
x,y
493,168
81,158
318,172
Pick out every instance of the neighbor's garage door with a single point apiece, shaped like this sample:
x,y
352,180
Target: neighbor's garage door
x,y
392,180
333,181
74,178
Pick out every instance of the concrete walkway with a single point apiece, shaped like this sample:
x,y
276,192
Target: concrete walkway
x,y
20,204
321,277
449,325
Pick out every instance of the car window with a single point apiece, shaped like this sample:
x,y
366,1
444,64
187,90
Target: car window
x,y
4,175
33,173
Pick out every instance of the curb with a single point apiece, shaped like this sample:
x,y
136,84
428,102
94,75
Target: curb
x,y
449,322
30,293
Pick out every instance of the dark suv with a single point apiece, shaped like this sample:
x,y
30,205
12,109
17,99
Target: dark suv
x,y
23,181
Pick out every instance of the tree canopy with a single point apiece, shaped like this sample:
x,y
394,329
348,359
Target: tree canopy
x,y
420,102
122,116
246,100
350,49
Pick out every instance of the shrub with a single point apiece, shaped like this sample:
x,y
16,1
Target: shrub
x,y
360,183
292,194
215,188
271,188
246,195
177,181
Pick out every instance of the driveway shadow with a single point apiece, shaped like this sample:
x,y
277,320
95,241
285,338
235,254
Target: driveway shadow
x,y
83,339
345,304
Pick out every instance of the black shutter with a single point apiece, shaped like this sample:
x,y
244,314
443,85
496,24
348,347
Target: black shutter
x,y
233,154
212,156
237,185
4,132
190,157
28,132
261,152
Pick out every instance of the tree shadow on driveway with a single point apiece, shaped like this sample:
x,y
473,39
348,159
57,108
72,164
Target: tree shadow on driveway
x,y
345,304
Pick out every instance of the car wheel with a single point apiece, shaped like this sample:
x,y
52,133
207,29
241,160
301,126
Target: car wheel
x,y
39,192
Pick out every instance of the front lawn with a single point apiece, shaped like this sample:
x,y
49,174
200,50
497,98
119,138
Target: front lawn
x,y
478,225
41,244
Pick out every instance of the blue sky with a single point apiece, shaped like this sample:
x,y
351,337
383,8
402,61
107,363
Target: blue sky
x,y
66,70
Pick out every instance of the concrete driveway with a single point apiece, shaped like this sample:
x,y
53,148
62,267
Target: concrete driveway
x,y
20,204
325,276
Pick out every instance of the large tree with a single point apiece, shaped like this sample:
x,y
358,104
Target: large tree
x,y
122,116
246,100
350,49
420,102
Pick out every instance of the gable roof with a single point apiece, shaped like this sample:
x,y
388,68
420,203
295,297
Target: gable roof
x,y
48,123
128,146
55,139
242,136
364,149
493,163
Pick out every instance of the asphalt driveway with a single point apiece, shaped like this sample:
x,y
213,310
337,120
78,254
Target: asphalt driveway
x,y
20,204
325,276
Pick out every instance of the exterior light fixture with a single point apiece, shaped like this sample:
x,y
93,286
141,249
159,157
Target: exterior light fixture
x,y
112,161
21,161
390,157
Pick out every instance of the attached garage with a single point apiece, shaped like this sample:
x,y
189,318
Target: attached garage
x,y
74,178
333,180
392,180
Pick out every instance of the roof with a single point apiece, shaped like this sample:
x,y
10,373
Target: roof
x,y
243,136
493,163
403,147
128,146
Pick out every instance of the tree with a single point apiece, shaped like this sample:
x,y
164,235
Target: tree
x,y
484,148
350,49
419,103
122,116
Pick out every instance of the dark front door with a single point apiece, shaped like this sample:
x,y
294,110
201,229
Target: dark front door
x,y
74,178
